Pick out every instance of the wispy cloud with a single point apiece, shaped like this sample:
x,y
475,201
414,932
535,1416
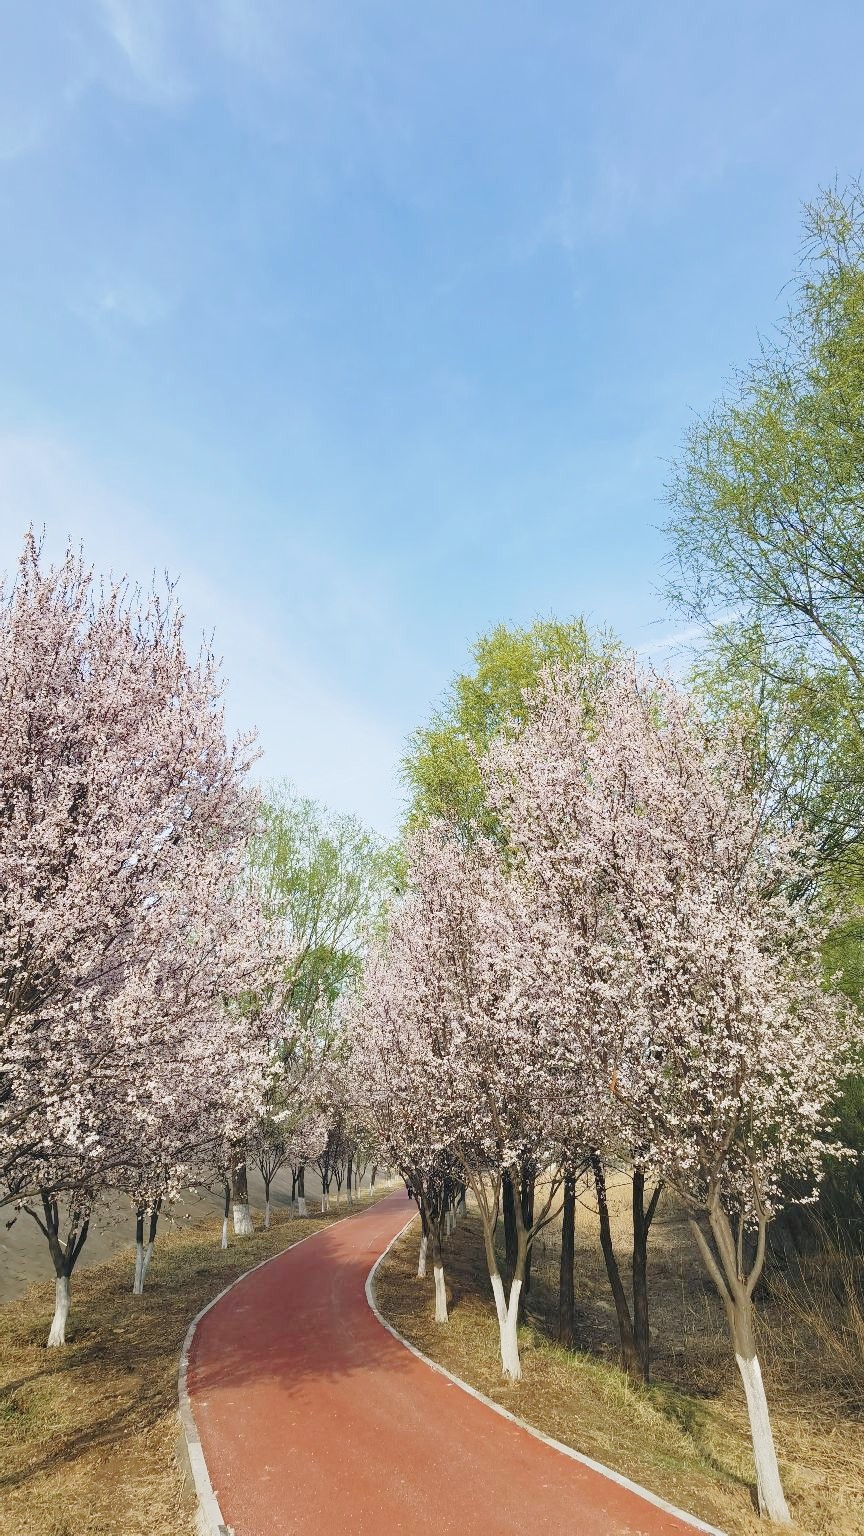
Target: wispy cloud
x,y
675,641
146,37
127,300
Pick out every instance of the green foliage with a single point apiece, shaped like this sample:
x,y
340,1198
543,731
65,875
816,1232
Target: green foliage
x,y
330,881
800,724
767,549
440,766
767,538
768,495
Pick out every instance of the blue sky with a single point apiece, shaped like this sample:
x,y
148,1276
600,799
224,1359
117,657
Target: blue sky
x,y
377,324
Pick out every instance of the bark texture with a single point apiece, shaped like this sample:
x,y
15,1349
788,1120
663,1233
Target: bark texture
x,y
566,1297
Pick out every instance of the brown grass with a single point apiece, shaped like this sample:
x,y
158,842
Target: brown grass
x,y
685,1437
88,1432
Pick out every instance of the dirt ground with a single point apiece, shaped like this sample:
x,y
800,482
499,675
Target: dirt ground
x,y
88,1433
24,1257
685,1437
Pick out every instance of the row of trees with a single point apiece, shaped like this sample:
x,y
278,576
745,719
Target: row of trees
x,y
621,965
171,946
623,905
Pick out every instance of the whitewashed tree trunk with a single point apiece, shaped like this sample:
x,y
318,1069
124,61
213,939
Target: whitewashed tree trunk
x,y
736,1291
57,1335
301,1205
242,1219
143,1255
509,1339
772,1502
500,1303
224,1243
267,1214
138,1282
421,1262
440,1295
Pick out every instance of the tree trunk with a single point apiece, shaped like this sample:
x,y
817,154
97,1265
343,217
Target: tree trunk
x,y
508,1311
526,1183
301,1190
421,1260
138,1282
240,1194
151,1239
438,1270
64,1256
266,1207
508,1201
630,1361
510,1361
373,1177
224,1243
642,1219
772,1501
566,1298
736,1292
57,1334
350,1181
144,1255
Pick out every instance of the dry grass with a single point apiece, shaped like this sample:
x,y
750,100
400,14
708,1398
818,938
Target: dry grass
x,y
88,1432
685,1437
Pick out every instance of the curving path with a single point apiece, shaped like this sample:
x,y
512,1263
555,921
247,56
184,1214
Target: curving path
x,y
314,1419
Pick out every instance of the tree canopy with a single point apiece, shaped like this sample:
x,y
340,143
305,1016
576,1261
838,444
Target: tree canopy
x,y
766,548
440,767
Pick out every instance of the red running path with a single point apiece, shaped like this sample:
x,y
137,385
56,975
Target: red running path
x,y
313,1419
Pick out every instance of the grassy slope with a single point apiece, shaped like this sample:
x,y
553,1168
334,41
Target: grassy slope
x,y
686,1436
88,1432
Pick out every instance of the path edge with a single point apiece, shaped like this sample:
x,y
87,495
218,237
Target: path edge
x,y
557,1445
208,1515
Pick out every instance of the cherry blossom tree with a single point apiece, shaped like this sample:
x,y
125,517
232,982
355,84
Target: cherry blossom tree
x,y
725,1048
399,1087
463,987
123,826
730,1060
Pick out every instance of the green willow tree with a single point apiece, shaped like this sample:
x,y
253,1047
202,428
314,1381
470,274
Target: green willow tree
x,y
767,551
330,881
767,498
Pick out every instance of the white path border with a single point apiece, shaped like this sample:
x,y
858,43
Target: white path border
x,y
566,1450
208,1516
